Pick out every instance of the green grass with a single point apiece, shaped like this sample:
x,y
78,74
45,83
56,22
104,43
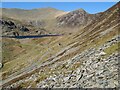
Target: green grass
x,y
112,49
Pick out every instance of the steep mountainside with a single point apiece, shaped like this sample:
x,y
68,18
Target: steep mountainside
x,y
76,18
86,58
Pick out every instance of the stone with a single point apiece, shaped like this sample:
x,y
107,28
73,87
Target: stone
x,y
78,77
66,79
1,65
78,71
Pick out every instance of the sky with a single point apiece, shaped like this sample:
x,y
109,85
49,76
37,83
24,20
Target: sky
x,y
90,7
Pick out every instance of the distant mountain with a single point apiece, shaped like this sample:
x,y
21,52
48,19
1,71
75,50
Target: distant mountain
x,y
52,20
35,18
34,14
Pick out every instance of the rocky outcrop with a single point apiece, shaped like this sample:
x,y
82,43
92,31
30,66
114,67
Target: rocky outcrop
x,y
7,24
76,18
24,29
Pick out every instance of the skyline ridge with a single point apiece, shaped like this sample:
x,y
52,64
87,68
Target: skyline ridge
x,y
90,7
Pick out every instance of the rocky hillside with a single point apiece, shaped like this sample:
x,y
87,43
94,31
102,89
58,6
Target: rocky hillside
x,y
13,27
37,18
76,18
87,58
